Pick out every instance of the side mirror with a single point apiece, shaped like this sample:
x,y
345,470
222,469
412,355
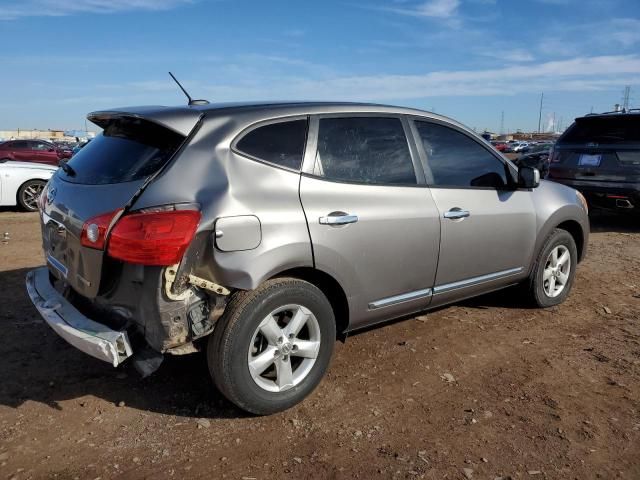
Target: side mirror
x,y
528,177
52,149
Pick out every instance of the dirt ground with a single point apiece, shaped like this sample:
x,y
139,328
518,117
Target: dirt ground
x,y
479,390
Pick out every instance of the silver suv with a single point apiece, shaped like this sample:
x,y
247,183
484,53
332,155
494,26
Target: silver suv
x,y
262,232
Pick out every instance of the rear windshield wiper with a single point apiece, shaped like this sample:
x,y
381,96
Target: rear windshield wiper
x,y
67,168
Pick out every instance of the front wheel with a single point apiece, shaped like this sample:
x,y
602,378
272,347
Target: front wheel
x,y
555,269
272,346
29,193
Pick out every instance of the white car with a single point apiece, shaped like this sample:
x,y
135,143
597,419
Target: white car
x,y
21,183
519,147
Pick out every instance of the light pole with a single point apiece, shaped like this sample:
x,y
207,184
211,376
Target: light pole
x,y
540,112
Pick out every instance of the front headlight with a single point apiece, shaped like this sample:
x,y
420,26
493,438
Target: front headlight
x,y
583,201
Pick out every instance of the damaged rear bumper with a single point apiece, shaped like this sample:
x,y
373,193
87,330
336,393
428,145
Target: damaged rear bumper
x,y
88,336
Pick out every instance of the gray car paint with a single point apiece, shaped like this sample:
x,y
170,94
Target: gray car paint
x,y
70,206
395,256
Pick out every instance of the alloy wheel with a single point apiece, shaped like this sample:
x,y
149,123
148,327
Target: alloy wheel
x,y
30,195
556,271
284,348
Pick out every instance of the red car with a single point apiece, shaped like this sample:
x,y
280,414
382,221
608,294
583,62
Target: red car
x,y
501,146
31,151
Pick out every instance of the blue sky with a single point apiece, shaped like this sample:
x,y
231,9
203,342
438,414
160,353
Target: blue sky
x,y
469,59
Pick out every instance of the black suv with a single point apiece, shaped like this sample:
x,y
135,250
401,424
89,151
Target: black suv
x,y
599,155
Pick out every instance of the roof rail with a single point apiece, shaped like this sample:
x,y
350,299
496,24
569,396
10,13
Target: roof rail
x,y
624,110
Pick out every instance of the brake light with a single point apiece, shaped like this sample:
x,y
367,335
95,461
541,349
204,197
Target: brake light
x,y
95,230
153,238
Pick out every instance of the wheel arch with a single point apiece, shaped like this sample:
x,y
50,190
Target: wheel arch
x,y
575,230
331,289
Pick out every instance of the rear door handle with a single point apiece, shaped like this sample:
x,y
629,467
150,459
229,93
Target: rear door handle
x,y
456,213
341,219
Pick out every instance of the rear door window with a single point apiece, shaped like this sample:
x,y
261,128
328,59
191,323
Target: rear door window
x,y
280,143
41,146
456,160
128,149
19,145
370,150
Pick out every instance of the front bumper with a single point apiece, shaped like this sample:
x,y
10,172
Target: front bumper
x,y
88,336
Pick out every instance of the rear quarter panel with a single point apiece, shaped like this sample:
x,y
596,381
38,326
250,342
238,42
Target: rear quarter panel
x,y
227,184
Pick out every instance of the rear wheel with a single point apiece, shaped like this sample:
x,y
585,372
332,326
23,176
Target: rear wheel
x,y
553,274
272,346
29,193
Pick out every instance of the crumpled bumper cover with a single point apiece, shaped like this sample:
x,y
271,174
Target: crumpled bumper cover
x,y
88,336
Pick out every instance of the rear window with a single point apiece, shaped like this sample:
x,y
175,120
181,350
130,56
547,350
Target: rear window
x,y
280,143
618,129
128,149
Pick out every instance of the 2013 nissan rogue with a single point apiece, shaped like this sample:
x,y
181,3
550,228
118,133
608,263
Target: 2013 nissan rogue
x,y
262,232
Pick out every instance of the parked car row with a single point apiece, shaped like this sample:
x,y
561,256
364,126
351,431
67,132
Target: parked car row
x,y
514,146
22,183
599,155
38,151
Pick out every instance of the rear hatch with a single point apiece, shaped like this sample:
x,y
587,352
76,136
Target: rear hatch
x,y
104,177
599,149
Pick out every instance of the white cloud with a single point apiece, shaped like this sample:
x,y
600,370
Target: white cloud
x,y
621,35
575,75
13,10
625,31
438,8
432,8
257,77
518,55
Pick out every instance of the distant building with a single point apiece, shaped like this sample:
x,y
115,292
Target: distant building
x,y
50,135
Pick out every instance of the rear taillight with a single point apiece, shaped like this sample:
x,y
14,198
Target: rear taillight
x,y
95,230
154,237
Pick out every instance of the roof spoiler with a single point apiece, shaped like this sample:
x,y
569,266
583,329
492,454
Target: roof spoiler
x,y
181,120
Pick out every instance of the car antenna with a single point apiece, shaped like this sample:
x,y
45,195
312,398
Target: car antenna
x,y
191,100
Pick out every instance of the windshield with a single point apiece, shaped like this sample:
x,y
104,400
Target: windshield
x,y
128,149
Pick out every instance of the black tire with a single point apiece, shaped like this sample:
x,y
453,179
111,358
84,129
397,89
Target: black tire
x,y
27,194
537,293
229,345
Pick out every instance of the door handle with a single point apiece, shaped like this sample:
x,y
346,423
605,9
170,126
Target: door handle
x,y
456,213
341,219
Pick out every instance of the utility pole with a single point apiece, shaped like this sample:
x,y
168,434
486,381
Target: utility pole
x,y
540,113
502,123
625,100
